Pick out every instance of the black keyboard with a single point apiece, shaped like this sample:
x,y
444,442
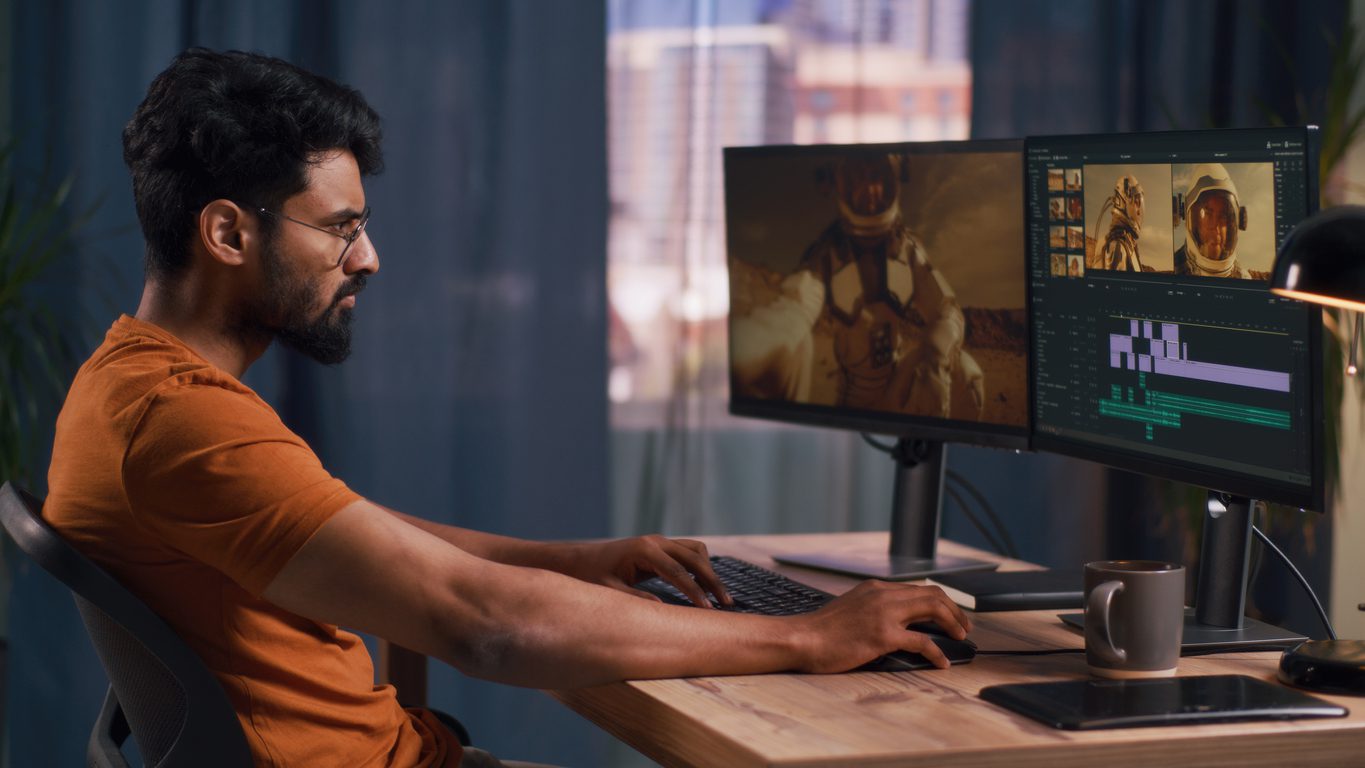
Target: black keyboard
x,y
754,589
761,591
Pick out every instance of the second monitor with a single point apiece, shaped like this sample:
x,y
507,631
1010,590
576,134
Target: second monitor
x,y
881,288
1157,344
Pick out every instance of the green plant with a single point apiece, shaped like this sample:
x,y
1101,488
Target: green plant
x,y
1332,107
1340,115
36,226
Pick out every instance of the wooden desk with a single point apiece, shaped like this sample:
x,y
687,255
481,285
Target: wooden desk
x,y
934,718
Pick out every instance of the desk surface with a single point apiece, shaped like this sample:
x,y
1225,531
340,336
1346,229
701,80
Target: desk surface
x,y
934,718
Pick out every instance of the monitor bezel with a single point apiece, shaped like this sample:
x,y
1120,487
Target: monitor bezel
x,y
882,422
1312,496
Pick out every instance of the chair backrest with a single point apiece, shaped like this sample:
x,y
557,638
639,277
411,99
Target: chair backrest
x,y
177,711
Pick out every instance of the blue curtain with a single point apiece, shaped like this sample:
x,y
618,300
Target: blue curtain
x,y
477,392
1077,66
1074,66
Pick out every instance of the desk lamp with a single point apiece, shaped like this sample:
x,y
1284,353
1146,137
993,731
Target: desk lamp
x,y
1323,261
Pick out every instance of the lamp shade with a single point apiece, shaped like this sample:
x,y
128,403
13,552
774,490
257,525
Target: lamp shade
x,y
1323,259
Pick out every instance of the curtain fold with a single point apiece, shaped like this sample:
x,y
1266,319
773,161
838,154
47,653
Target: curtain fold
x,y
1075,66
476,394
1071,66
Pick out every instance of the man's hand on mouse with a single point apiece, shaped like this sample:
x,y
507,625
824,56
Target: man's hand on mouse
x,y
870,620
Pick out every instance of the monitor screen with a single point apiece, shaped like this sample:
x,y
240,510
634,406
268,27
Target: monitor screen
x,y
1157,345
880,288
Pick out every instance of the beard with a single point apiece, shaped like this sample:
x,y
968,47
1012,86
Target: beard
x,y
285,312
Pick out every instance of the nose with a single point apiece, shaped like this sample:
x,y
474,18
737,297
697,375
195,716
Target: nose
x,y
363,256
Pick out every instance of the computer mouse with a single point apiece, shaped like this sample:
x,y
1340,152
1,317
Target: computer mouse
x,y
957,651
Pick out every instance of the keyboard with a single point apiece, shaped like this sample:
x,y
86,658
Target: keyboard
x,y
761,591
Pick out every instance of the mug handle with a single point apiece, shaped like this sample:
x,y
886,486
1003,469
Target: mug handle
x,y
1097,617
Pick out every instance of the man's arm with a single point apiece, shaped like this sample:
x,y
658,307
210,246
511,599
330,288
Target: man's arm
x,y
618,564
489,546
369,570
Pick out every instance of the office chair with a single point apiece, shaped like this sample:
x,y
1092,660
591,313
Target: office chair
x,y
160,690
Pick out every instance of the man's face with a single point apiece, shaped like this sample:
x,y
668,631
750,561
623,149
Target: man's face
x,y
1213,222
291,299
306,300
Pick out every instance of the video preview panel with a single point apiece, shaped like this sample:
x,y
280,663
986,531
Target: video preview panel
x,y
880,283
1195,219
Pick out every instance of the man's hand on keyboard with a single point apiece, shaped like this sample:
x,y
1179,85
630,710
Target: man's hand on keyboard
x,y
622,563
870,619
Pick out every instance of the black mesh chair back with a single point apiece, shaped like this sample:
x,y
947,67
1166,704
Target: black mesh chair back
x,y
159,689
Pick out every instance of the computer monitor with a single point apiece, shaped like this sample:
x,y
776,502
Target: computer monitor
x,y
881,288
1157,346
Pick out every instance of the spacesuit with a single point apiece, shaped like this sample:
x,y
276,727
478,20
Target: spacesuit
x,y
865,308
1120,247
1213,216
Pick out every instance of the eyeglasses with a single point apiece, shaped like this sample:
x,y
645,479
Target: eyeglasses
x,y
350,237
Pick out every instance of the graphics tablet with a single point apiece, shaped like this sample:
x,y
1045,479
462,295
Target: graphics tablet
x,y
1078,705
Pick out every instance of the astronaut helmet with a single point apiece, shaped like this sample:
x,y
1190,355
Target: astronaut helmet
x,y
868,188
1213,213
1129,200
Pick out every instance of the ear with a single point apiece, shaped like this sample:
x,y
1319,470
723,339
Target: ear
x,y
227,232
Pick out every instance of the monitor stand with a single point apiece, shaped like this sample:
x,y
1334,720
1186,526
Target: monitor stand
x,y
916,507
1217,622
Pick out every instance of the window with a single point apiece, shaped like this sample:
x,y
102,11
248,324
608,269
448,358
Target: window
x,y
685,80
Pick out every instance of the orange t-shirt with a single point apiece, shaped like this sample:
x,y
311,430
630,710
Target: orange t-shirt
x,y
188,488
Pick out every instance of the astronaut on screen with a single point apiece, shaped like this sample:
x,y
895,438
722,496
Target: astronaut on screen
x,y
1120,247
865,321
1213,216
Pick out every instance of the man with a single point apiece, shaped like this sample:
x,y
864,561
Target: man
x,y
1213,216
176,477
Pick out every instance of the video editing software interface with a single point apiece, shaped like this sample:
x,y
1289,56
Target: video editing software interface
x,y
880,287
1157,343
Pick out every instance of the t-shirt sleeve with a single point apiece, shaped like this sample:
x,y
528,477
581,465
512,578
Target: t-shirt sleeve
x,y
215,474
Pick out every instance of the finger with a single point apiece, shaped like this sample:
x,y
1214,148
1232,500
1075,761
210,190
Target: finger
x,y
692,544
948,614
925,647
960,614
696,560
947,617
930,603
668,569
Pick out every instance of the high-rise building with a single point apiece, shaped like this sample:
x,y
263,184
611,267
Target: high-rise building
x,y
685,80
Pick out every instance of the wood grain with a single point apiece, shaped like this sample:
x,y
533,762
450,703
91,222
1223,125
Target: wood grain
x,y
934,717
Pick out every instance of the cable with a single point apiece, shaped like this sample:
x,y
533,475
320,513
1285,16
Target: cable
x,y
1331,633
1238,649
1010,549
1031,652
883,447
1004,544
1183,653
976,523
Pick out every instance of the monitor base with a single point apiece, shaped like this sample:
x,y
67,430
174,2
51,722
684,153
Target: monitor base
x,y
1205,637
883,565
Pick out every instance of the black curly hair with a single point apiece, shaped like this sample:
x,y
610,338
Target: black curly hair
x,y
238,126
